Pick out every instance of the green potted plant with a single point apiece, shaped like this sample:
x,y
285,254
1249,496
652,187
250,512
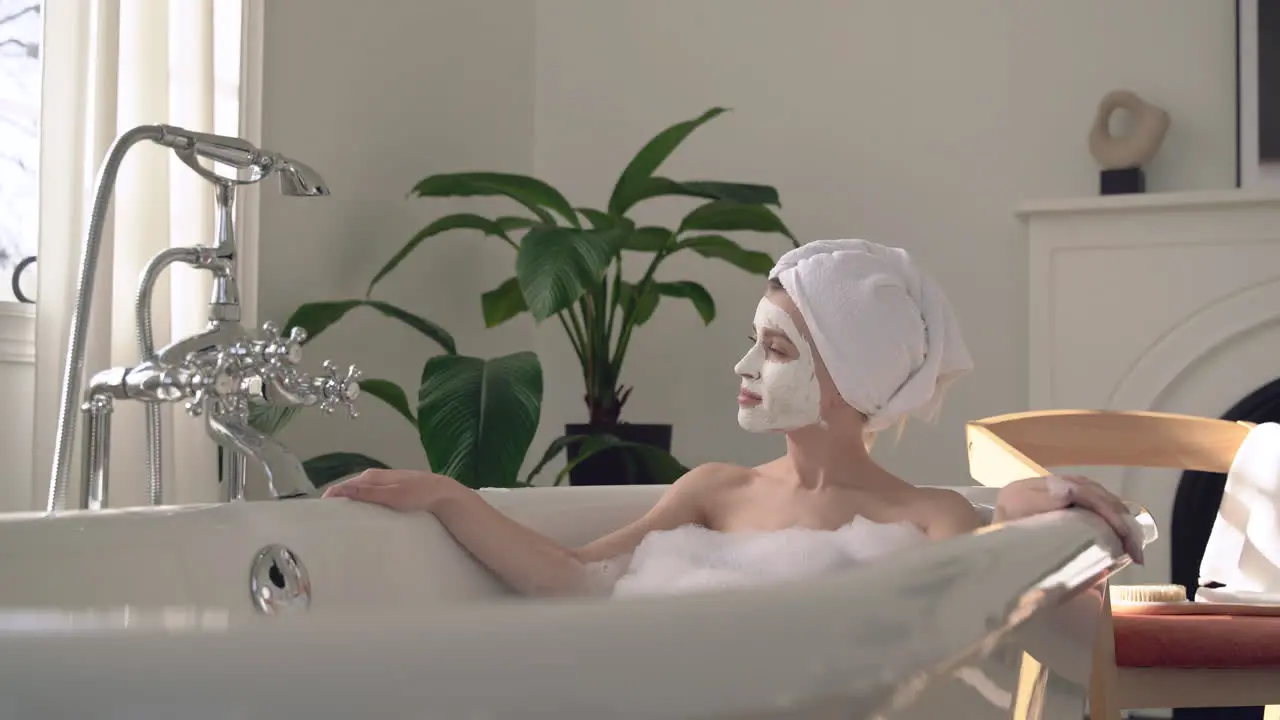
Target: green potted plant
x,y
477,417
568,266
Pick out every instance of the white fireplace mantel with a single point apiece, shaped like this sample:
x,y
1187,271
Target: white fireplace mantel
x,y
1162,301
1110,204
1128,294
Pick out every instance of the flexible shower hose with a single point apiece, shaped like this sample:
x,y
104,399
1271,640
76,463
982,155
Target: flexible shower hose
x,y
60,472
147,351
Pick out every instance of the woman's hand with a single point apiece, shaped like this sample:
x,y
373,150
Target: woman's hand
x,y
404,490
1034,496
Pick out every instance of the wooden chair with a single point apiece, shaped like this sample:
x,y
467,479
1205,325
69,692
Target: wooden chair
x,y
1144,661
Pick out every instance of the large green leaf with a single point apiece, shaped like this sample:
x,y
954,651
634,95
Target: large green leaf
x,y
729,216
316,317
722,248
694,293
599,220
331,467
391,394
421,324
502,303
661,466
632,182
745,193
458,221
511,222
556,266
645,305
532,193
647,239
477,417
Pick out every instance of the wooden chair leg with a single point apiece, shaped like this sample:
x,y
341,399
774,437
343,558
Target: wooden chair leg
x,y
1103,704
1029,698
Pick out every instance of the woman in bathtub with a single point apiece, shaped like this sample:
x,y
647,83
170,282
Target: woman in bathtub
x,y
849,339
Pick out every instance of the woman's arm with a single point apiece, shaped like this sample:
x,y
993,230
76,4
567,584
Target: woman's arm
x,y
534,564
1032,496
526,560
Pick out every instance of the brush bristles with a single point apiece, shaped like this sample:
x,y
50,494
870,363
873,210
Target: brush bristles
x,y
1148,593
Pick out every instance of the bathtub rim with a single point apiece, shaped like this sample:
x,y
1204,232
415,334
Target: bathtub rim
x,y
80,651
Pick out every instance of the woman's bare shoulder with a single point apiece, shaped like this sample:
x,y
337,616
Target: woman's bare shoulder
x,y
696,494
715,476
943,512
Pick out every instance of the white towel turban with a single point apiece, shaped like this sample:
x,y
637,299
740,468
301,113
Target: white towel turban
x,y
883,327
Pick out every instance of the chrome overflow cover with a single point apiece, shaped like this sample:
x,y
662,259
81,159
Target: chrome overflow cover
x,y
278,582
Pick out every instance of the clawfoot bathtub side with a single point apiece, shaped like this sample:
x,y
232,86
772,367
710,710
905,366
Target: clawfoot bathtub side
x,y
148,613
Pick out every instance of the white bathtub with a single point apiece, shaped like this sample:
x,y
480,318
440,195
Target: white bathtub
x,y
148,613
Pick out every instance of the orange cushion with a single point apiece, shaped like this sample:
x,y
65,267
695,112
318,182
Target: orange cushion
x,y
1197,641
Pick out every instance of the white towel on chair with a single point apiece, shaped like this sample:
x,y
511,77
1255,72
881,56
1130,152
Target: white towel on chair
x,y
1243,552
1223,595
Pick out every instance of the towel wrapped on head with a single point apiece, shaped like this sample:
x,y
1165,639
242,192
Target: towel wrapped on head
x,y
883,327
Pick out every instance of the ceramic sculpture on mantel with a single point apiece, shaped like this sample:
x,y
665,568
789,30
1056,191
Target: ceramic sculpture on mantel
x,y
1122,156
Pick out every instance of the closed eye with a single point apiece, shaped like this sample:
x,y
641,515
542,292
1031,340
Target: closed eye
x,y
769,348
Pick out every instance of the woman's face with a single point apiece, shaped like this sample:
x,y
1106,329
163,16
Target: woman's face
x,y
780,387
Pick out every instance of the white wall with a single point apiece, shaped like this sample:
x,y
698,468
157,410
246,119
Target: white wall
x,y
376,96
920,124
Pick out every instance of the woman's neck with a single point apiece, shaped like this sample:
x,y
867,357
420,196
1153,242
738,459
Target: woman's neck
x,y
823,457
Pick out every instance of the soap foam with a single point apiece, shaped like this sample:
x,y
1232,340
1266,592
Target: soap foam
x,y
692,558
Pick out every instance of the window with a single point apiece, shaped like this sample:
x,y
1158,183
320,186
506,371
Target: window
x,y
227,46
20,34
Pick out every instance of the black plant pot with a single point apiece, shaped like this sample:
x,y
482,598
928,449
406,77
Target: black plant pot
x,y
613,467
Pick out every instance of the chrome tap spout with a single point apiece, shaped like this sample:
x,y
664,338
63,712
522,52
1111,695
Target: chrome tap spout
x,y
285,474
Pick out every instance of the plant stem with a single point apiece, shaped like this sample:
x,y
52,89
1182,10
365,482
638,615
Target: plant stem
x,y
572,340
590,347
573,328
613,298
601,391
628,322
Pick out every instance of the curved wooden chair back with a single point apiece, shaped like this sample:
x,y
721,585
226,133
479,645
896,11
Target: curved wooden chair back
x,y
1005,448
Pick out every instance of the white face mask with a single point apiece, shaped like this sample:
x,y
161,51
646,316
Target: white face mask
x,y
789,391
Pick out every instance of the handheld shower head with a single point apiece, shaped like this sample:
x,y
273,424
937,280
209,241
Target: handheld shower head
x,y
296,178
236,152
300,180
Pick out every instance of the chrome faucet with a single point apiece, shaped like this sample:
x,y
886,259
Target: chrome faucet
x,y
217,372
219,382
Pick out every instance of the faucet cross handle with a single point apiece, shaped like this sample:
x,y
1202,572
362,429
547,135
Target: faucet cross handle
x,y
280,349
208,379
339,389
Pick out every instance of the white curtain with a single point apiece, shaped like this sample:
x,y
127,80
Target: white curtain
x,y
111,65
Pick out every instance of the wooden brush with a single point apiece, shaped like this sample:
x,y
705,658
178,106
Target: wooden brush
x,y
1148,594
